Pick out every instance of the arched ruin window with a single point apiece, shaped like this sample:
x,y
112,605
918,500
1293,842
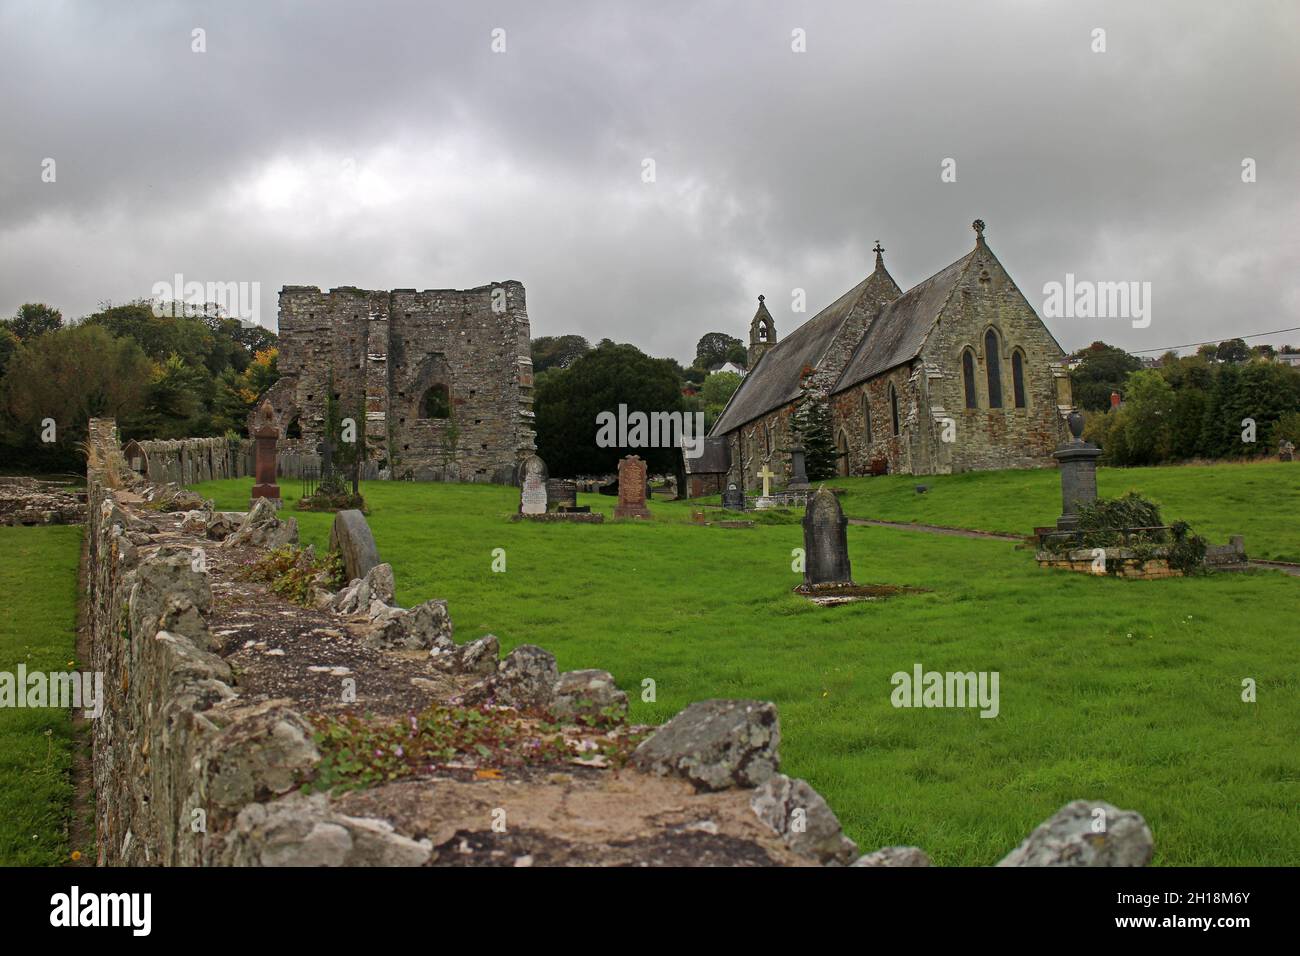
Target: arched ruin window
x,y
1018,377
866,416
436,402
293,429
893,407
968,378
993,368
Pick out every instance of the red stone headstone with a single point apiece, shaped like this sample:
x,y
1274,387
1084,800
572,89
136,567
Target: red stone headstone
x,y
265,436
631,489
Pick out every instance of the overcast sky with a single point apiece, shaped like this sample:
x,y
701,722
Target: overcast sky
x,y
387,145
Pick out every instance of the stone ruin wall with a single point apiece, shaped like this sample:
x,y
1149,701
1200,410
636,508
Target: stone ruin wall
x,y
186,461
36,501
192,767
386,349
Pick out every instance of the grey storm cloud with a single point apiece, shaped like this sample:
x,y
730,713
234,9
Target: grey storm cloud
x,y
386,145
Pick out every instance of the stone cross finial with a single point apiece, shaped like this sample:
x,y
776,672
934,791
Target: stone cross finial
x,y
760,298
978,226
878,248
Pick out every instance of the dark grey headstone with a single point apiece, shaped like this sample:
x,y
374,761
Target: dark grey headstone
x,y
350,536
825,541
733,498
562,493
798,474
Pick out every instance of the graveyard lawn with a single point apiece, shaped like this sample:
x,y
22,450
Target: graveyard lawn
x,y
38,578
1125,691
1257,499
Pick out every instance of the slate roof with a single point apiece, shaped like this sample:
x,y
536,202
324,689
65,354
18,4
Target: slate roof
x,y
716,459
896,335
774,379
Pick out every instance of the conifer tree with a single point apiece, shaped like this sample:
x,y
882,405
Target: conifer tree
x,y
812,429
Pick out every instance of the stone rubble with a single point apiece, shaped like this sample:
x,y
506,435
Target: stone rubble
x,y
526,678
802,817
894,856
716,744
1086,833
262,529
588,693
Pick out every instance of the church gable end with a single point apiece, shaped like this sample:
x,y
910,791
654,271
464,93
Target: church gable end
x,y
994,372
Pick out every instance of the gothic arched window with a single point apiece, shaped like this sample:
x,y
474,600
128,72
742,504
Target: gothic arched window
x,y
993,368
1018,377
293,429
968,378
866,416
893,407
436,402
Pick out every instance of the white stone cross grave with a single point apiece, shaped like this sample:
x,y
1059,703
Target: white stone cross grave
x,y
767,474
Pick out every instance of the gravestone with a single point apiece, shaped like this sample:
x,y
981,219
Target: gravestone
x,y
350,536
265,436
765,500
631,489
562,493
1285,450
825,541
733,498
1078,460
798,474
532,486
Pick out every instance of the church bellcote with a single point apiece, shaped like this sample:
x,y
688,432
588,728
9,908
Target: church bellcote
x,y
762,334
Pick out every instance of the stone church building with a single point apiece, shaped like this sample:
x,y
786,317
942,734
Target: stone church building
x,y
956,374
443,378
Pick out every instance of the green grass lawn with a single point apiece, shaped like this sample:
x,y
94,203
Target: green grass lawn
x,y
38,581
1126,691
1259,500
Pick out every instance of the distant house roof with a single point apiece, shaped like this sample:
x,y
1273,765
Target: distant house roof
x,y
774,379
898,332
716,459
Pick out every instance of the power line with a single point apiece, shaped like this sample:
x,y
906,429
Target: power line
x,y
1190,345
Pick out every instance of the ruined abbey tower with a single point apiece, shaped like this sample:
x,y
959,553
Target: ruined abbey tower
x,y
443,377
